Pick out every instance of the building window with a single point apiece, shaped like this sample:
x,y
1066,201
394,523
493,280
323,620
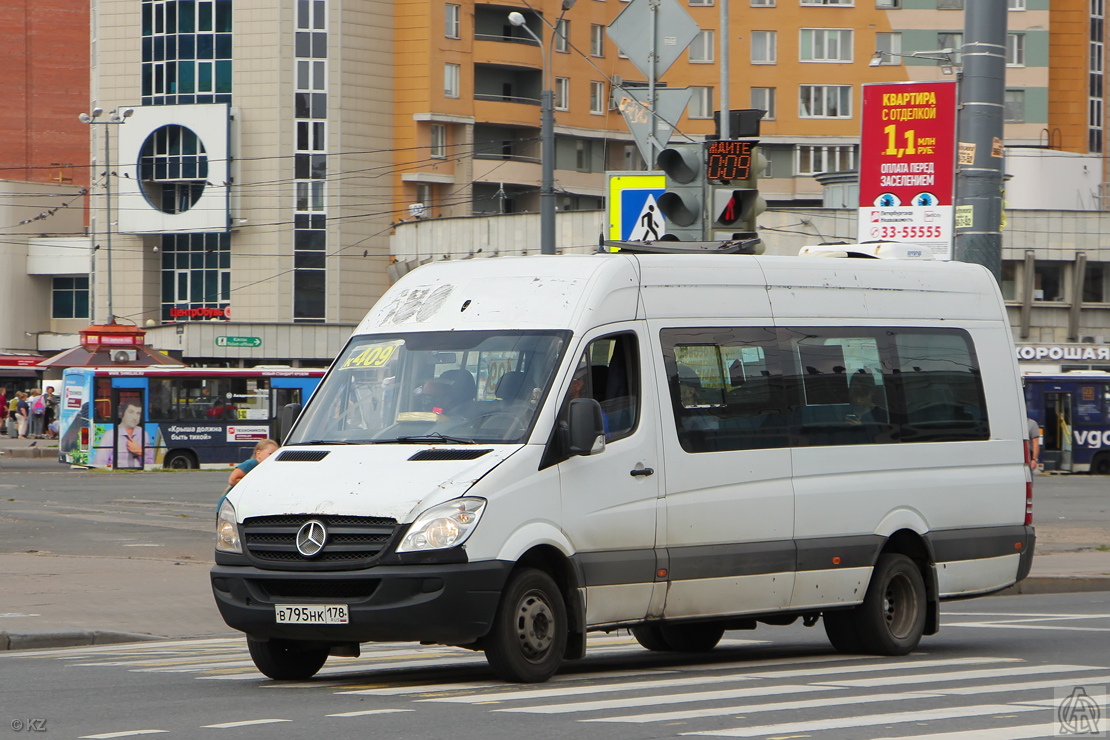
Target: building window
x,y
763,3
597,40
891,43
69,298
562,93
701,48
825,45
950,4
848,3
695,3
1015,50
1014,109
562,36
439,141
186,52
701,102
1048,281
814,160
953,41
763,47
1094,283
888,4
1015,4
825,101
451,80
597,97
763,98
451,21
196,276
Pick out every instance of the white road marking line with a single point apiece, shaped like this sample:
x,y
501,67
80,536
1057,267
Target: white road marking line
x,y
994,733
244,723
545,693
370,711
1003,626
745,709
131,733
869,720
660,699
1024,670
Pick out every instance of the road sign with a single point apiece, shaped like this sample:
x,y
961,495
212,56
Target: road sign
x,y
633,209
631,31
238,341
636,108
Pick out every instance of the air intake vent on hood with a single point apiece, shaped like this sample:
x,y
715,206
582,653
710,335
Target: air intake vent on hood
x,y
302,455
448,455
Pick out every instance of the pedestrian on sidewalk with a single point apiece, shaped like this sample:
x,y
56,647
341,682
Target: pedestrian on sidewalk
x,y
10,417
22,412
38,412
1034,444
3,410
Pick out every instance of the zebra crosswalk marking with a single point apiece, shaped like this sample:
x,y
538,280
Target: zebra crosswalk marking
x,y
868,720
863,683
1024,732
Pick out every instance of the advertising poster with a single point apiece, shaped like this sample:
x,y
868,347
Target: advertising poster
x,y
907,164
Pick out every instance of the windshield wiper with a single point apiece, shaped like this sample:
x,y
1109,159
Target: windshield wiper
x,y
322,442
436,437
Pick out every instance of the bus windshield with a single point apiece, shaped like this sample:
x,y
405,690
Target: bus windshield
x,y
451,387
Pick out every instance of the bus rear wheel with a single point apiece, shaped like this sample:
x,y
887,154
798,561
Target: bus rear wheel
x,y
181,460
1101,465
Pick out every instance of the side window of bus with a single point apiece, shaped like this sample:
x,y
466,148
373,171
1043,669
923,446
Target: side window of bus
x,y
942,386
161,400
840,386
726,388
102,404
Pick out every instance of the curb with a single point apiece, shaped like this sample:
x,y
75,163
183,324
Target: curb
x,y
38,640
1057,585
29,452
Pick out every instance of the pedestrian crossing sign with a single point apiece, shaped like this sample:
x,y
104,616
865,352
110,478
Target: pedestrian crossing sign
x,y
633,212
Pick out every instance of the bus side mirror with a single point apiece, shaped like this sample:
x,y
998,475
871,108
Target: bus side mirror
x,y
289,414
585,427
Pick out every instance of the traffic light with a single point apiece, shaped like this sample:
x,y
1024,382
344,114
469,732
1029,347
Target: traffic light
x,y
683,203
732,169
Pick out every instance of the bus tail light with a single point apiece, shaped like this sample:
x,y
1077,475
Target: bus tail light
x,y
84,437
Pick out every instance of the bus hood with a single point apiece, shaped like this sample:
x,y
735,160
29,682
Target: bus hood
x,y
387,480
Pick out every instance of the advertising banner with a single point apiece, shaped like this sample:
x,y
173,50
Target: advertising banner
x,y
907,164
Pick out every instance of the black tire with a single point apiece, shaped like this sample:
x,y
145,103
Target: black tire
x,y
1101,465
650,636
891,619
841,629
679,638
180,460
693,638
529,634
286,660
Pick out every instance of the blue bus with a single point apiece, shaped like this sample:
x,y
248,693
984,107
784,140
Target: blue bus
x,y
1073,409
137,418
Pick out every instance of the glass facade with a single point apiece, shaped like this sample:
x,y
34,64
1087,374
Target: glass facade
x,y
186,52
196,276
310,162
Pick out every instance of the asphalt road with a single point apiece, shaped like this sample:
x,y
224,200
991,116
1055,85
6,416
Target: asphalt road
x,y
999,668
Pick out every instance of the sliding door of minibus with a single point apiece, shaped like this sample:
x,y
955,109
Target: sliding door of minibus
x,y
729,504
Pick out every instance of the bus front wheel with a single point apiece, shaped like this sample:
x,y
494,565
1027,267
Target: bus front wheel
x,y
181,460
1101,465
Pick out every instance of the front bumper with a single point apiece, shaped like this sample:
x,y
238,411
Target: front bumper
x,y
450,604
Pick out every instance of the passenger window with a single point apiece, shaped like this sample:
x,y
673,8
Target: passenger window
x,y
726,390
942,386
840,383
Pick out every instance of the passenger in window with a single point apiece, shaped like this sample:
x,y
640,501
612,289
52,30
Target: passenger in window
x,y
863,400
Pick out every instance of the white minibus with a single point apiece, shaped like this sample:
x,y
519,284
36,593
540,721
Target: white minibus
x,y
511,453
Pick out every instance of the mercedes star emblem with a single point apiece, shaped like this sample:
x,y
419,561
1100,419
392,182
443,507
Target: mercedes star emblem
x,y
311,538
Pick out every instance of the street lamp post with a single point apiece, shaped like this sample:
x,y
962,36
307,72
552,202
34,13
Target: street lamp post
x,y
547,130
114,119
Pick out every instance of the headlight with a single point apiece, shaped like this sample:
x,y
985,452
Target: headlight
x,y
443,526
227,531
